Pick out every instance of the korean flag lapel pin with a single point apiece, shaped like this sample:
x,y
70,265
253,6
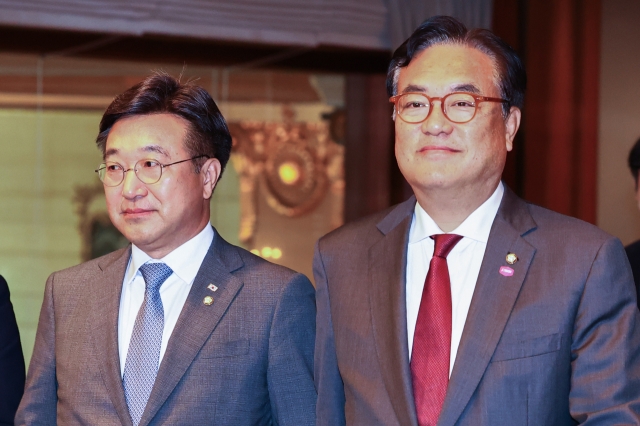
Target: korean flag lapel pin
x,y
208,300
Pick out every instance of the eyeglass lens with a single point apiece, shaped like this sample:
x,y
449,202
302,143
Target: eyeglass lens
x,y
457,107
148,171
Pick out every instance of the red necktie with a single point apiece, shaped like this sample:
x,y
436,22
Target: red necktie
x,y
430,356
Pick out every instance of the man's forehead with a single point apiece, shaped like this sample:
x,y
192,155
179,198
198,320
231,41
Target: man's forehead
x,y
146,149
158,134
455,87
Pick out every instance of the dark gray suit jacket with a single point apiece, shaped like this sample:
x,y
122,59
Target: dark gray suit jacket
x,y
11,359
247,359
557,343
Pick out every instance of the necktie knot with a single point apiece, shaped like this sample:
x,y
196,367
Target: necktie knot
x,y
155,274
444,243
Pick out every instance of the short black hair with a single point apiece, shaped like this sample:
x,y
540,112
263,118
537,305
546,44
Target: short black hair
x,y
634,161
511,75
159,93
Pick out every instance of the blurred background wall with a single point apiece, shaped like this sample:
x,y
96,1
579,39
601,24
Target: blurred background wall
x,y
302,86
619,118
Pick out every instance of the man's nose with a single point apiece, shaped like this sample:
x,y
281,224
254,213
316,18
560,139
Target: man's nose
x,y
436,122
132,187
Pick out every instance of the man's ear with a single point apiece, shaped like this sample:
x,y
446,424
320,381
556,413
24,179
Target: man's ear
x,y
512,124
210,173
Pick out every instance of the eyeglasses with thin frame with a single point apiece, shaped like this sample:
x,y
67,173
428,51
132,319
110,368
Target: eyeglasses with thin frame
x,y
148,171
458,107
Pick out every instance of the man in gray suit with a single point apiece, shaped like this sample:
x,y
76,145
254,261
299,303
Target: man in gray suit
x,y
465,305
181,327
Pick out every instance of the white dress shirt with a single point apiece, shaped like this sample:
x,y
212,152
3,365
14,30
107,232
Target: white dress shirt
x,y
464,263
185,262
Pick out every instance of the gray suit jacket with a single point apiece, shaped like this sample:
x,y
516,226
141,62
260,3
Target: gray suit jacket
x,y
247,359
557,343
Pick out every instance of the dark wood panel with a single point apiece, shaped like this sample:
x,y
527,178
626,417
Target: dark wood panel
x,y
190,51
369,159
265,87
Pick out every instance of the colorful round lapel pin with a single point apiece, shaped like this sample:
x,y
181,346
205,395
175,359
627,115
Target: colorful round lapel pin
x,y
506,271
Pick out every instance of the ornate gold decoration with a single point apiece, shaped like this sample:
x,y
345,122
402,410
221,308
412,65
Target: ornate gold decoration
x,y
511,258
294,197
295,164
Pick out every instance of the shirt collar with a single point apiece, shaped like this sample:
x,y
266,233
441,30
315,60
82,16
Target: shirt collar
x,y
184,261
476,226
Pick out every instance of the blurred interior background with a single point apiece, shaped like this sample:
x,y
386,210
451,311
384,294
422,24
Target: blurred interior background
x,y
302,86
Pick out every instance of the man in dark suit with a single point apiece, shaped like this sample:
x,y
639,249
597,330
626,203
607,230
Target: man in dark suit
x,y
11,359
181,327
465,305
633,249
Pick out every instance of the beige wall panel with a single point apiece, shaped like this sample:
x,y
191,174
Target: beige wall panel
x,y
44,155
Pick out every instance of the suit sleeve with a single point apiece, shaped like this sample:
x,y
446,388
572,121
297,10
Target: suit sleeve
x,y
11,359
290,371
39,403
331,399
605,367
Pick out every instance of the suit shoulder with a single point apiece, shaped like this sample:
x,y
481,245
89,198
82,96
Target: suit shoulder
x,y
92,265
567,228
4,288
363,229
265,270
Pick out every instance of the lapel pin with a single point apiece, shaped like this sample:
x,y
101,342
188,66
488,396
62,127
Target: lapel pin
x,y
208,300
506,271
511,258
212,287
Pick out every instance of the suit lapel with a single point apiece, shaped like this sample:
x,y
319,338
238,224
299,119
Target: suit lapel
x,y
387,264
106,292
197,320
492,303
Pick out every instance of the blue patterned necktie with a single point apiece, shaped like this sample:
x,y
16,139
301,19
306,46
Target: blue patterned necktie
x,y
143,356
